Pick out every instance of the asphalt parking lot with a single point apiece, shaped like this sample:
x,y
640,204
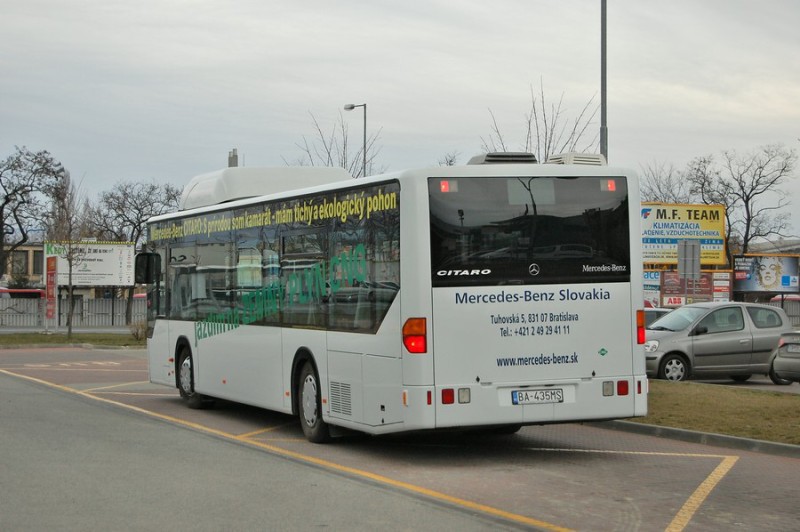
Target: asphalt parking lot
x,y
551,478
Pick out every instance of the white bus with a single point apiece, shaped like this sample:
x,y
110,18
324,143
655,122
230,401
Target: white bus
x,y
480,296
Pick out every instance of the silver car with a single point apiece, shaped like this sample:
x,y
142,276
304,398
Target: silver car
x,y
704,339
652,314
786,357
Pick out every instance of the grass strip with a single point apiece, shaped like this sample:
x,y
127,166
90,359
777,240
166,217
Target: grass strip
x,y
60,338
719,409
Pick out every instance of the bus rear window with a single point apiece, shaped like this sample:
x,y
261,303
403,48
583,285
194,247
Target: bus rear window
x,y
529,230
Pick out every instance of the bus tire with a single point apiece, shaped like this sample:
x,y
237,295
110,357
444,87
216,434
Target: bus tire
x,y
310,405
186,381
673,368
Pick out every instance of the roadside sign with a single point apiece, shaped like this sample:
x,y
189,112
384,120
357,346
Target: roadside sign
x,y
689,259
50,288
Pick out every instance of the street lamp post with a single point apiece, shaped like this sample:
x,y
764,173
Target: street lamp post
x,y
603,123
350,107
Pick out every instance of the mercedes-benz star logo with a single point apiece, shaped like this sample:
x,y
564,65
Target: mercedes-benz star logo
x,y
533,269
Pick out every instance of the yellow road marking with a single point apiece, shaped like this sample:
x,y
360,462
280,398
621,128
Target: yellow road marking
x,y
142,394
32,368
679,522
697,498
264,431
116,386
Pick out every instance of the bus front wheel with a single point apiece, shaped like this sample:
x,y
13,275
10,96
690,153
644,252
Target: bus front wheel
x,y
310,406
186,381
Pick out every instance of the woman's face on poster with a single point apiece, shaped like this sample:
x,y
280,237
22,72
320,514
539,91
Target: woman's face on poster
x,y
769,271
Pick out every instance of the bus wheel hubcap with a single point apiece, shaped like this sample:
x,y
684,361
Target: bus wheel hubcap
x,y
310,401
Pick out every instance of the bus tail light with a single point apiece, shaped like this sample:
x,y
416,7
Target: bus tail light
x,y
640,339
448,396
415,335
612,388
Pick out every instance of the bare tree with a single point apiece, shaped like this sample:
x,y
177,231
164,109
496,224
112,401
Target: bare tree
x,y
750,188
449,159
66,227
26,180
121,213
662,182
548,131
334,148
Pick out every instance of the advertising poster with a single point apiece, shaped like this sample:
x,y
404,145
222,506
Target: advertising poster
x,y
50,291
665,224
95,264
652,288
712,286
766,273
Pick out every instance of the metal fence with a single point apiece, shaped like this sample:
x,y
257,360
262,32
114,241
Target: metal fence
x,y
88,312
792,309
111,312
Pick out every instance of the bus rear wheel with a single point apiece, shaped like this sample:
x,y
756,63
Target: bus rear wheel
x,y
310,406
186,381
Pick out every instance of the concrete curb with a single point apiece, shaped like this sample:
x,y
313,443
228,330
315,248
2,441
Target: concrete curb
x,y
704,438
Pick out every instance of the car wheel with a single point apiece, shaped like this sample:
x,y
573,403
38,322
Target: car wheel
x,y
673,368
186,381
310,406
775,379
740,378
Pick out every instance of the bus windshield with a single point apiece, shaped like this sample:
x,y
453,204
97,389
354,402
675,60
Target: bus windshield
x,y
529,230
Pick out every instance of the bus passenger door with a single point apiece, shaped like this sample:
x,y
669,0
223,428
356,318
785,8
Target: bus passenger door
x,y
160,350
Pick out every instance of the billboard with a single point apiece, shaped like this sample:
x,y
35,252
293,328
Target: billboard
x,y
652,288
711,286
97,263
665,224
766,273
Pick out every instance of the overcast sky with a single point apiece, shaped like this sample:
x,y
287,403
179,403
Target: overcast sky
x,y
162,90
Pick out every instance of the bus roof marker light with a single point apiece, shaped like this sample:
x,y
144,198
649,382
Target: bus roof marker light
x,y
448,185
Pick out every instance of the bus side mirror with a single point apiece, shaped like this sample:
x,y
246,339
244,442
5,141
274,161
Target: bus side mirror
x,y
147,268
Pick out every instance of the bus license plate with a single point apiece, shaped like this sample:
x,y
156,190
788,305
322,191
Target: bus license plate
x,y
533,397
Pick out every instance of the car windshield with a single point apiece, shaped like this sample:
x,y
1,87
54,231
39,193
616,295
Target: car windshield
x,y
678,319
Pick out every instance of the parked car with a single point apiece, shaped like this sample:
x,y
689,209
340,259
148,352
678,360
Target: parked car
x,y
651,314
786,357
704,339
